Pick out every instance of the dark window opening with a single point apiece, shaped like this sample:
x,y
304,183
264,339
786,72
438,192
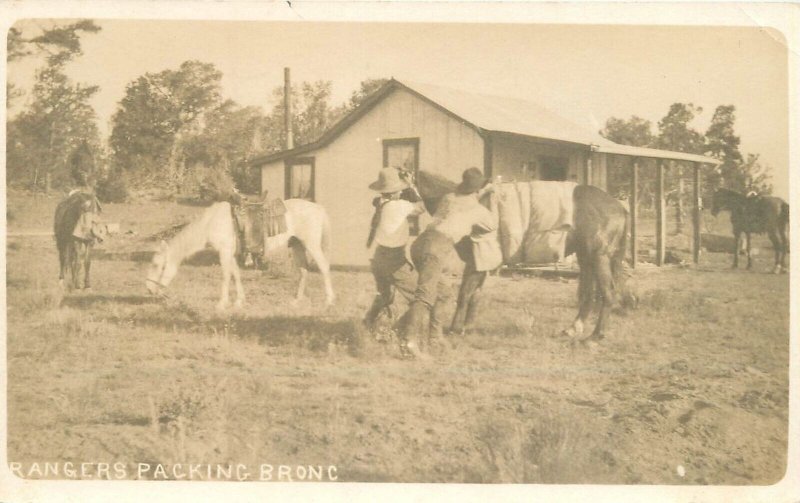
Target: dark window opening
x,y
553,168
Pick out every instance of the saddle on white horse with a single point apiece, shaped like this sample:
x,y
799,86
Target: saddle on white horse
x,y
255,222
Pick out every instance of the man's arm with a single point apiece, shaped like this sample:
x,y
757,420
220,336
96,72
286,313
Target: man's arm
x,y
486,220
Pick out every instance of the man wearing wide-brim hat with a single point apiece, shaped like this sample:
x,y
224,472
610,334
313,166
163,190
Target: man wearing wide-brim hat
x,y
457,216
390,232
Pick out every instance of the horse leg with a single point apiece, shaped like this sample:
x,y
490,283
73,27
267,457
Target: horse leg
x,y
237,278
225,259
749,257
301,263
605,283
87,264
62,264
76,263
585,298
784,247
737,243
325,269
777,247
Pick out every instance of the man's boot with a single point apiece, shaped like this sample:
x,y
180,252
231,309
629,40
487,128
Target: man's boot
x,y
435,327
413,328
374,311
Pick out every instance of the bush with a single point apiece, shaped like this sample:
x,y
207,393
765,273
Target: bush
x,y
112,189
216,185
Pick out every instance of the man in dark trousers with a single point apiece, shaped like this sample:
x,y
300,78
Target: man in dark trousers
x,y
457,216
390,232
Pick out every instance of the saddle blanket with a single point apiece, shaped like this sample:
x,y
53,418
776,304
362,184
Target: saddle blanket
x,y
258,221
535,218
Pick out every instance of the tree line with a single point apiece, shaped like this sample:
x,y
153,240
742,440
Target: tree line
x,y
736,172
174,129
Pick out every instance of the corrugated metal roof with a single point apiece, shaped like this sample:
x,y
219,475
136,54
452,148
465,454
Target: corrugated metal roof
x,y
508,115
492,114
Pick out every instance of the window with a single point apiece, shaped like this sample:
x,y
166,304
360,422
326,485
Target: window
x,y
300,178
403,153
553,168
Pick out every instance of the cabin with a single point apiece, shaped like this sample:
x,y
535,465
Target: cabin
x,y
442,130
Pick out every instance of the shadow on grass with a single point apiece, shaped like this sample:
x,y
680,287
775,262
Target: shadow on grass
x,y
312,332
85,301
201,258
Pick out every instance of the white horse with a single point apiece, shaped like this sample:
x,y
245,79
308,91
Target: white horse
x,y
306,222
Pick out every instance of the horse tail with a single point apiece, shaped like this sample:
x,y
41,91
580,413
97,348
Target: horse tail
x,y
620,270
784,216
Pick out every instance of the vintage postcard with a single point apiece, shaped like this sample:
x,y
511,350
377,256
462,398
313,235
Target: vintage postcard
x,y
399,250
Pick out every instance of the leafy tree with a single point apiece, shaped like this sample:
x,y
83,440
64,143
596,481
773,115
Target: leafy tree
x,y
735,172
232,136
754,176
637,132
674,132
158,117
60,43
634,131
311,114
59,120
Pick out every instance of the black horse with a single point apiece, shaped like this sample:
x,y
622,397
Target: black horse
x,y
755,214
598,239
76,229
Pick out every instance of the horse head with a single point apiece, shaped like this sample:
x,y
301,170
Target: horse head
x,y
89,227
161,270
724,199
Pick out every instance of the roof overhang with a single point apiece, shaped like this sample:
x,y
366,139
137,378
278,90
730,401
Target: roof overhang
x,y
653,153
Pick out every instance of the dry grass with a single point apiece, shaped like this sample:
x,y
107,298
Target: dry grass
x,y
116,375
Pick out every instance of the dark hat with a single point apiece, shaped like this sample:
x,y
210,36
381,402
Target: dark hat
x,y
472,180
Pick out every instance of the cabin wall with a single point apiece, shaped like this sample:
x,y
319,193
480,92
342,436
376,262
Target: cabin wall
x,y
345,167
519,159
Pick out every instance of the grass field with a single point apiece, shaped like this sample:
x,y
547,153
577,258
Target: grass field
x,y
697,377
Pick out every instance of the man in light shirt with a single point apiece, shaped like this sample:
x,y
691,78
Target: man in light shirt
x,y
390,233
457,216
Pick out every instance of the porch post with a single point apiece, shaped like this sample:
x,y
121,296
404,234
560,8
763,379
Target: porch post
x,y
633,204
587,169
660,214
698,203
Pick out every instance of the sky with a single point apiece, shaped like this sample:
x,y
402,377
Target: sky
x,y
585,73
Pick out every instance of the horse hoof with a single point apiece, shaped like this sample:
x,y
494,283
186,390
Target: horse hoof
x,y
222,306
573,331
238,304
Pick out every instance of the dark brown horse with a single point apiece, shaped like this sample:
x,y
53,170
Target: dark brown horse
x,y
755,214
76,228
598,239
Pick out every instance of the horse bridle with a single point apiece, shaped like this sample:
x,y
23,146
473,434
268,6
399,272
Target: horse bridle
x,y
160,281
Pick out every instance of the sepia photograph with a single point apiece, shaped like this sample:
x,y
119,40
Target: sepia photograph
x,y
397,251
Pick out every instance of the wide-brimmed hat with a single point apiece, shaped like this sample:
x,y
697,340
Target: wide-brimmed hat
x,y
388,181
472,180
